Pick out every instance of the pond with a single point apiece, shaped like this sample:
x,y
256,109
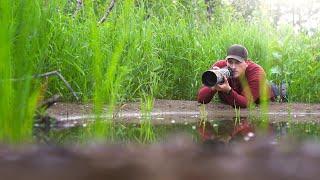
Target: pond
x,y
237,129
70,122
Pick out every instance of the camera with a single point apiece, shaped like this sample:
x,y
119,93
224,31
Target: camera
x,y
212,77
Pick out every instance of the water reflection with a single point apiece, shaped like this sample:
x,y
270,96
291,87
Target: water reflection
x,y
226,131
237,130
216,131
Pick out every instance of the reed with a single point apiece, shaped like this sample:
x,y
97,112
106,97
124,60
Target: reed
x,y
20,48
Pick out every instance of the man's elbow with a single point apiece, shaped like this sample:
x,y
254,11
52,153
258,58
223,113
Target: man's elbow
x,y
205,94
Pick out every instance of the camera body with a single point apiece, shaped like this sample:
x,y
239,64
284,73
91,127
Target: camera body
x,y
212,77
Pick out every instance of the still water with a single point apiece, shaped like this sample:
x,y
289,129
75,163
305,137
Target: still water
x,y
238,129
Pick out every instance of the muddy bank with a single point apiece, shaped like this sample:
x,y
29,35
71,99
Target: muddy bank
x,y
177,159
168,111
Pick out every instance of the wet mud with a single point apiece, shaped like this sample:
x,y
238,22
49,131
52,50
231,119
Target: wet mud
x,y
166,111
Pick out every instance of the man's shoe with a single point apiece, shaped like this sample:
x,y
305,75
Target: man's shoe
x,y
280,91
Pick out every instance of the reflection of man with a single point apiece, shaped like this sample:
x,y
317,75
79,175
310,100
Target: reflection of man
x,y
227,131
246,84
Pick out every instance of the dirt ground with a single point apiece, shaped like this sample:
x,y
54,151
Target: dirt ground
x,y
177,111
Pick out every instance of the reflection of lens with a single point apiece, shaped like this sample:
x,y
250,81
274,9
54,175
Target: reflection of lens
x,y
209,78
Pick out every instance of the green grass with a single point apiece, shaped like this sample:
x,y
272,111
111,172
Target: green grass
x,y
18,44
146,127
164,47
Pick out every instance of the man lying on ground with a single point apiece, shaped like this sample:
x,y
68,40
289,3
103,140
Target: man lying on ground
x,y
244,86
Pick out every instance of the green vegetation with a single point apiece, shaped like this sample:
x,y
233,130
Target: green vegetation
x,y
162,49
143,47
20,47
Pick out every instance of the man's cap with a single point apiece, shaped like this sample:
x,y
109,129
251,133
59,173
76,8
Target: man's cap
x,y
237,52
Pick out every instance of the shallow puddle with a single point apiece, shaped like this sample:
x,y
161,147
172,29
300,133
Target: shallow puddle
x,y
218,130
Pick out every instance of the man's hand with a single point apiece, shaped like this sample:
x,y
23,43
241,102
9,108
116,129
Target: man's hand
x,y
224,87
214,68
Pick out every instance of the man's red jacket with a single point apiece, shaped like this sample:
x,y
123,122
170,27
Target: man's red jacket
x,y
244,91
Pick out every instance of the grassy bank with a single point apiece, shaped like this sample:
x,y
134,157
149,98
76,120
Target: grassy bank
x,y
162,49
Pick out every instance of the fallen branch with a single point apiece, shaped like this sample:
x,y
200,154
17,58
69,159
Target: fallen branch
x,y
52,73
103,19
57,73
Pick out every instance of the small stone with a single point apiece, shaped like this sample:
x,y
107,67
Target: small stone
x,y
251,134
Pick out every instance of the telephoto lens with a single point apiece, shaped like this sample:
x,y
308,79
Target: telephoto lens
x,y
212,77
